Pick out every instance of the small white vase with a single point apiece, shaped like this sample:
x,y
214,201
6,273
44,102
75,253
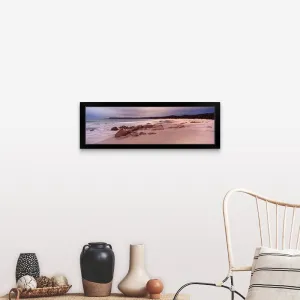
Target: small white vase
x,y
134,283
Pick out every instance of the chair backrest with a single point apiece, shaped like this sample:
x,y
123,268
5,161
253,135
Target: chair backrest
x,y
287,238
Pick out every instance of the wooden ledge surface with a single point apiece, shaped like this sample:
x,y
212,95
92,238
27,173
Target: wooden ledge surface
x,y
113,296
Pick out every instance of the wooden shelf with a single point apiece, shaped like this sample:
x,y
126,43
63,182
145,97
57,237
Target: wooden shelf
x,y
111,297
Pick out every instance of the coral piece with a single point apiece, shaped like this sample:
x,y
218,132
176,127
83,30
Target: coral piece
x,y
43,281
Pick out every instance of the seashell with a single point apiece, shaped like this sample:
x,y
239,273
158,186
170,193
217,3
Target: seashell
x,y
26,282
59,280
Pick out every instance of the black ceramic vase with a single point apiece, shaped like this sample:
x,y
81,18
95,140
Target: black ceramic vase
x,y
97,262
27,265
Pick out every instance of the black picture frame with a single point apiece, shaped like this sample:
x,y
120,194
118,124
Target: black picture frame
x,y
84,145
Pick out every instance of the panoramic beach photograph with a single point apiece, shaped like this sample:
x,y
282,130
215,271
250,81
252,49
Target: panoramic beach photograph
x,y
191,125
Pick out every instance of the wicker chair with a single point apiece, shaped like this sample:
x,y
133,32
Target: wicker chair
x,y
287,238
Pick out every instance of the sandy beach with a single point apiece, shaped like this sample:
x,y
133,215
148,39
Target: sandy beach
x,y
166,131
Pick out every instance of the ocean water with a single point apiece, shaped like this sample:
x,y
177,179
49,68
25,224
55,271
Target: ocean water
x,y
97,131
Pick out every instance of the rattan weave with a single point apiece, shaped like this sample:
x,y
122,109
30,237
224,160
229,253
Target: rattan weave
x,y
40,292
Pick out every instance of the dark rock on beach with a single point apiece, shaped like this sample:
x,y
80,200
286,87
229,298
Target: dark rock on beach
x,y
134,133
148,126
122,132
158,127
177,126
138,127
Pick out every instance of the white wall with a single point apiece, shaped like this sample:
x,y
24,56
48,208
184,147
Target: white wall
x,y
55,197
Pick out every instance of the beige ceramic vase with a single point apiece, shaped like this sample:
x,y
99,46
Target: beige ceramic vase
x,y
134,283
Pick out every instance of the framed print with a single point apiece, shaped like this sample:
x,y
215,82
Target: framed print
x,y
150,125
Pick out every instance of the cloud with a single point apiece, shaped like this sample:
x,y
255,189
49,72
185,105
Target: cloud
x,y
136,112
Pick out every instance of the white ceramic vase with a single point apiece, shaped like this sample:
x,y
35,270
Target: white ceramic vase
x,y
134,283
